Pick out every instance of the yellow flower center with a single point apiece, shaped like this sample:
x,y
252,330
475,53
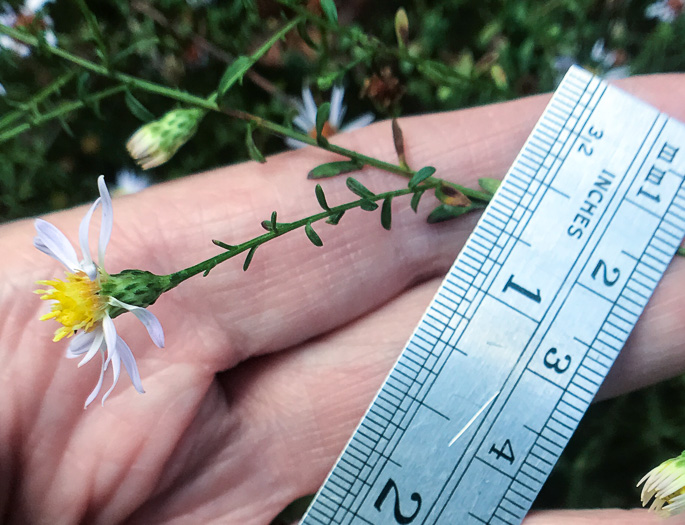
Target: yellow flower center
x,y
78,306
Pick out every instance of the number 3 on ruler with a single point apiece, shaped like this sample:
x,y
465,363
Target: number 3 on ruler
x,y
399,517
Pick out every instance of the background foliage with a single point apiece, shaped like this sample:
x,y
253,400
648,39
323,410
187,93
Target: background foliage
x,y
465,52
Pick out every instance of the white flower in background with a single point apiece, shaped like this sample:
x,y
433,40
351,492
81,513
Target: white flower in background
x,y
128,182
665,10
26,17
82,304
608,64
3,91
306,119
664,487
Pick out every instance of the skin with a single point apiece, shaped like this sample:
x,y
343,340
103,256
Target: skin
x,y
265,373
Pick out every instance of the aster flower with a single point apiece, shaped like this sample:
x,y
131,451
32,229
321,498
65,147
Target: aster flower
x,y
664,486
87,300
306,119
665,10
128,182
156,142
26,17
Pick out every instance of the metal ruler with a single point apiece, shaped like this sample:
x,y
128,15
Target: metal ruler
x,y
528,321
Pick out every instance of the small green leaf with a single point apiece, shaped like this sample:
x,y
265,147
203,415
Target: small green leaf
x,y
321,118
304,35
274,224
331,169
489,185
223,245
266,225
368,205
335,218
386,213
248,259
358,188
321,197
329,9
65,126
445,212
233,74
421,175
313,236
415,200
137,109
252,148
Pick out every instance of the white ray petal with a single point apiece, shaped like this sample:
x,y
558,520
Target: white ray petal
x,y
107,220
360,122
150,322
97,388
116,370
79,344
309,104
129,361
337,109
94,347
87,264
53,242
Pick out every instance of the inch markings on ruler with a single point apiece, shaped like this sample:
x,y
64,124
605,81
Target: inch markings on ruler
x,y
524,328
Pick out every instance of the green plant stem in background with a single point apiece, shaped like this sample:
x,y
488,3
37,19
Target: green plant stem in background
x,y
209,104
63,109
27,108
285,227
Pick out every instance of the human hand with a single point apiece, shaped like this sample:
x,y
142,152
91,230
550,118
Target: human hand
x,y
265,373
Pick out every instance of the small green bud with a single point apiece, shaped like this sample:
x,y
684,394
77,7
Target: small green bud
x,y
402,28
134,287
156,142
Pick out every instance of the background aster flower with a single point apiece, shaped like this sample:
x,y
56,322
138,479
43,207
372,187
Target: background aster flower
x,y
82,303
306,118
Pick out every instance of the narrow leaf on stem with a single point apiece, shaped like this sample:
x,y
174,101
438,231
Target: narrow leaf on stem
x,y
488,184
415,200
329,9
445,212
313,236
248,259
386,213
137,109
252,148
358,188
398,140
321,197
223,245
335,218
451,196
331,169
233,74
321,120
421,175
368,205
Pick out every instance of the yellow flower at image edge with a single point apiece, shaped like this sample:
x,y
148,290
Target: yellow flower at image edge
x,y
664,487
87,300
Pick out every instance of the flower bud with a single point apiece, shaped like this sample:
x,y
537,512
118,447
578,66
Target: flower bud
x,y
402,27
156,142
135,288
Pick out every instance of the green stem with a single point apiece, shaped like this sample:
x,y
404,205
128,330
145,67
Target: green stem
x,y
282,228
63,109
210,105
30,105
